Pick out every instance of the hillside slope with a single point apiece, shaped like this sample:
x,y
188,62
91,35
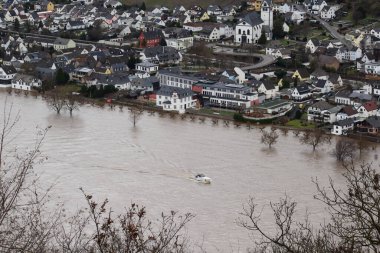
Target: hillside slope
x,y
186,3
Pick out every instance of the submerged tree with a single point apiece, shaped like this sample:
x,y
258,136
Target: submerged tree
x,y
344,150
354,214
135,114
314,138
56,102
269,138
71,104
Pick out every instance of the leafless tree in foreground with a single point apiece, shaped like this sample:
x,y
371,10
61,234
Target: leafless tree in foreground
x,y
132,231
344,150
71,104
135,114
269,137
26,225
314,138
354,218
56,102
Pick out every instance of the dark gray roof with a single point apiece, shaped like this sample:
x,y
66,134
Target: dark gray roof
x,y
345,122
302,89
320,83
373,121
9,70
322,105
253,19
169,90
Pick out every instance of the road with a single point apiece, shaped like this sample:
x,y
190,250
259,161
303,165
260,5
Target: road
x,y
332,30
265,60
52,38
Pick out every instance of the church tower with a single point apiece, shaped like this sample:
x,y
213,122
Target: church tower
x,y
267,13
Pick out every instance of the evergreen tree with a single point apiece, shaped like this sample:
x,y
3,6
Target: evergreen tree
x,y
143,6
17,24
263,38
40,24
61,77
278,31
163,42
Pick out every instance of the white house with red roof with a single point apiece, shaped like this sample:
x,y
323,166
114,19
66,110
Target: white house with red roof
x,y
368,109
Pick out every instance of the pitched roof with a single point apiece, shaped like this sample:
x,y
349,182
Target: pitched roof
x,y
322,105
349,110
169,90
370,106
253,19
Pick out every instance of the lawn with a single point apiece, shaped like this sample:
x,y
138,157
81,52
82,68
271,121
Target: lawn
x,y
68,88
300,124
221,112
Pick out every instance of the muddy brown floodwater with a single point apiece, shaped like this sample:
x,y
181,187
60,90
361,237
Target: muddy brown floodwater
x,y
99,150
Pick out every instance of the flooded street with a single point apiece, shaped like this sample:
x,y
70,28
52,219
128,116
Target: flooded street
x,y
99,150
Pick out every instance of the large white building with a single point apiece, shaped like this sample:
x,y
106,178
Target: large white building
x,y
25,82
228,95
175,99
174,78
248,30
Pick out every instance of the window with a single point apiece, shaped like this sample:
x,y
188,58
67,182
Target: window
x,y
239,31
248,32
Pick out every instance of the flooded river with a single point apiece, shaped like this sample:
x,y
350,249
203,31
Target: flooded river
x,y
99,150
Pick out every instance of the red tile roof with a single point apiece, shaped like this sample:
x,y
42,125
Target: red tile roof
x,y
370,106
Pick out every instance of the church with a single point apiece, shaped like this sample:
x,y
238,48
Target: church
x,y
250,27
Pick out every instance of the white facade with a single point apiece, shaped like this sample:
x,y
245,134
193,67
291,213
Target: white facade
x,y
341,128
372,68
267,13
376,33
180,43
327,13
174,100
24,82
245,33
147,67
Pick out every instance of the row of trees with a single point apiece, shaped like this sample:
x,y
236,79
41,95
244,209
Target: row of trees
x,y
345,149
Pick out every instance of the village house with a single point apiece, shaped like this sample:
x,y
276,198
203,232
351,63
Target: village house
x,y
7,73
327,13
147,67
301,74
370,125
342,127
25,82
301,93
174,99
323,112
62,44
269,89
161,55
150,38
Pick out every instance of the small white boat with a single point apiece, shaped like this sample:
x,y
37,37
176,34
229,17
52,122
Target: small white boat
x,y
201,178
